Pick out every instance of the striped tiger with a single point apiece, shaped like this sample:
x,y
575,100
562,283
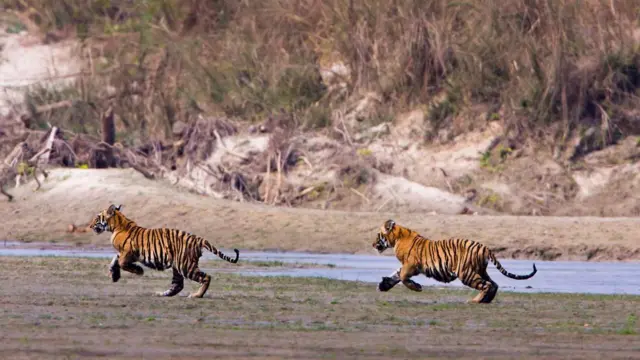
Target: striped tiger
x,y
442,260
158,249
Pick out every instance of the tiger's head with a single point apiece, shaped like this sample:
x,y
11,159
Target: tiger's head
x,y
386,238
104,220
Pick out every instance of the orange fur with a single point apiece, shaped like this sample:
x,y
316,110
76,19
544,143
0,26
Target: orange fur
x,y
442,260
158,249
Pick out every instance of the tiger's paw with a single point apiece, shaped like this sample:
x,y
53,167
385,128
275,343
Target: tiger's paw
x,y
414,286
171,292
386,284
114,272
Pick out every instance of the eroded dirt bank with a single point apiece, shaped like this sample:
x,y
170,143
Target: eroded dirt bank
x,y
73,196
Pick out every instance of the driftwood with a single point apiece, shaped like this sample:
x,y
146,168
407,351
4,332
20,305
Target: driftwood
x,y
27,117
192,143
229,151
44,108
16,154
48,146
14,167
79,149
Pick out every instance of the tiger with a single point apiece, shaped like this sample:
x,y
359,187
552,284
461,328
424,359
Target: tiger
x,y
442,260
158,249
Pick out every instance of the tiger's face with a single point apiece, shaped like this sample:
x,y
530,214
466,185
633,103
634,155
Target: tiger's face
x,y
101,222
381,244
385,237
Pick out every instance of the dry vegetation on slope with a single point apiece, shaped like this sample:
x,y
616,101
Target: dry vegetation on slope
x,y
327,81
534,63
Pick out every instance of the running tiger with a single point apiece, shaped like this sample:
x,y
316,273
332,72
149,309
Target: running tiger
x,y
158,249
443,260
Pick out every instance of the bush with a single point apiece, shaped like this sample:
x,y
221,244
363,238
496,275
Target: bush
x,y
558,64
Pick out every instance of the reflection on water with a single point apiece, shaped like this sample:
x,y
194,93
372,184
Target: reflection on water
x,y
552,276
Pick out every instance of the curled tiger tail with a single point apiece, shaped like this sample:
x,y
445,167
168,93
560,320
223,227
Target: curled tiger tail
x,y
207,245
508,274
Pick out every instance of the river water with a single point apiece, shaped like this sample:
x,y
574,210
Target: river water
x,y
552,276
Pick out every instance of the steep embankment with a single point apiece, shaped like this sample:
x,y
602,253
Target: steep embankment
x,y
433,125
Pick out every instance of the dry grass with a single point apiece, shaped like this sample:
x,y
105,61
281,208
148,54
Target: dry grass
x,y
64,308
536,63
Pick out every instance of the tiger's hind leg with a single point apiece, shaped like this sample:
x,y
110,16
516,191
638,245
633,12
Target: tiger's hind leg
x,y
198,276
491,291
483,283
177,284
405,276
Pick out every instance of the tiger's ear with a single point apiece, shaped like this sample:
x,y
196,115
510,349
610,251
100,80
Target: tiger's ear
x,y
389,225
112,209
119,207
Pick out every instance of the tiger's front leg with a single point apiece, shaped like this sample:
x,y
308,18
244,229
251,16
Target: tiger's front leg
x,y
126,262
388,282
405,276
114,269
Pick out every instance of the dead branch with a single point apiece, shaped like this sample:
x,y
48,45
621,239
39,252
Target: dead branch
x,y
143,171
229,151
207,169
306,191
48,107
37,156
268,179
344,133
360,194
108,127
48,146
279,178
446,180
384,203
69,148
306,161
12,159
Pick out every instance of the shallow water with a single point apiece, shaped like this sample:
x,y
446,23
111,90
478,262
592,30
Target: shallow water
x,y
552,276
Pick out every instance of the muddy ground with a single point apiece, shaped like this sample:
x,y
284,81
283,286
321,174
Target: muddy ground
x,y
68,308
74,196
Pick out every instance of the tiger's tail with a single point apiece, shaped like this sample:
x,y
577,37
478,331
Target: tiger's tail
x,y
508,274
207,245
